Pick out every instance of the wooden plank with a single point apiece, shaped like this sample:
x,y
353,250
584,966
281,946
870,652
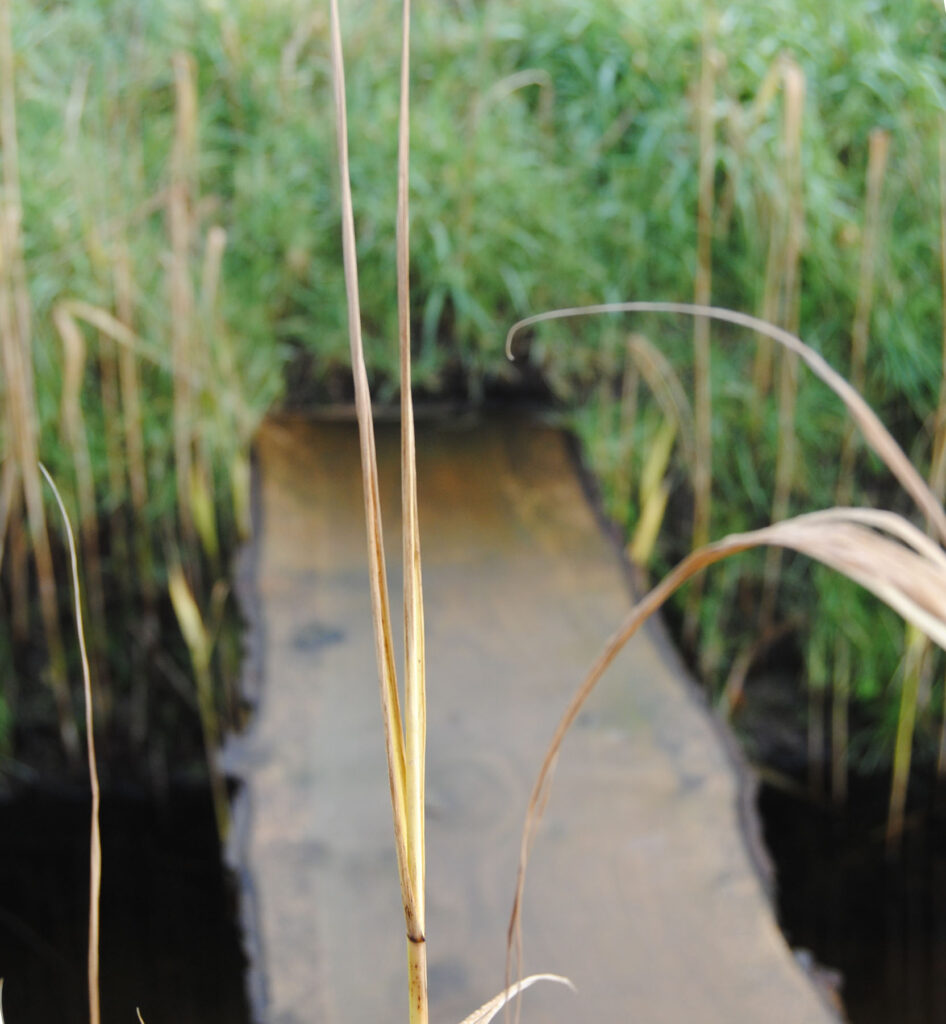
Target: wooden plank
x,y
641,887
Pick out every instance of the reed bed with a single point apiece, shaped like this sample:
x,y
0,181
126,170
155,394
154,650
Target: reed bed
x,y
149,368
644,155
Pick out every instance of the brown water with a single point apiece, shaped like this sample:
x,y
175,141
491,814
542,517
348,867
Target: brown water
x,y
169,941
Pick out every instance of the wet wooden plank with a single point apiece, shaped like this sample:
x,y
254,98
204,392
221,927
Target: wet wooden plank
x,y
641,887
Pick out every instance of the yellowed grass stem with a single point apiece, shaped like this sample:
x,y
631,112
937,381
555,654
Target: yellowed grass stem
x,y
380,605
415,696
95,839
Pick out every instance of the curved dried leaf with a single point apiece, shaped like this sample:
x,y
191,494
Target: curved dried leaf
x,y
874,432
1,1000
880,550
489,1010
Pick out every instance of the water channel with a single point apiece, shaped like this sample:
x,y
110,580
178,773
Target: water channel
x,y
172,943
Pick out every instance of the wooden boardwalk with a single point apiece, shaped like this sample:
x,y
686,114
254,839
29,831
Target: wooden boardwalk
x,y
641,887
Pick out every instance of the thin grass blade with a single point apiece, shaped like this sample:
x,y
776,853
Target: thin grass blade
x,y
95,837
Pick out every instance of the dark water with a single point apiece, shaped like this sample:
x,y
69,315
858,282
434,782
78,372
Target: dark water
x,y
882,924
169,942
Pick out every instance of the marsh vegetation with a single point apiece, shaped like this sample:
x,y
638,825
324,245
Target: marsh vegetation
x,y
174,267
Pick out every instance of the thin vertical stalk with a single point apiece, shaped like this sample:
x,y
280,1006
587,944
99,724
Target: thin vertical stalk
x,y
903,746
878,149
95,839
702,391
794,85
18,555
938,467
938,471
76,438
840,705
627,420
180,228
380,605
415,696
133,424
774,271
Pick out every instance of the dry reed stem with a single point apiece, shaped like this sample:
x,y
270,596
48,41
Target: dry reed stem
x,y
938,468
774,270
879,147
381,616
794,85
180,204
8,497
17,363
627,418
76,439
415,695
133,422
702,469
95,838
739,132
19,571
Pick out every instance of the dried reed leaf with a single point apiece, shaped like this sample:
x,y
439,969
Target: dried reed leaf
x,y
95,838
875,433
489,1010
1,1000
380,606
879,550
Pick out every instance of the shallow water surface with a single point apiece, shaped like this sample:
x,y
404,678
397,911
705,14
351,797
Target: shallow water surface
x,y
169,942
